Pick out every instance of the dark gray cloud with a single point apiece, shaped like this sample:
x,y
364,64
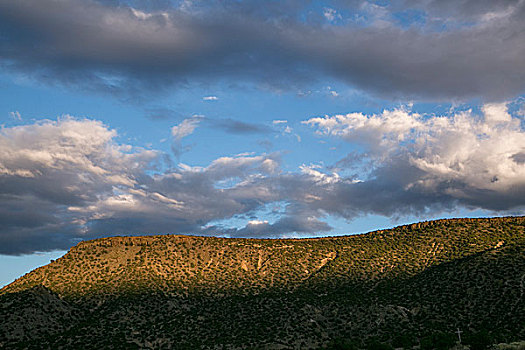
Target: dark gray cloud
x,y
162,113
284,227
519,158
101,46
239,127
187,126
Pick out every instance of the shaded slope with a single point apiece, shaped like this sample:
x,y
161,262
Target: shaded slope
x,y
33,313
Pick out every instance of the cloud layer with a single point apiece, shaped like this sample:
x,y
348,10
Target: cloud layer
x,y
70,179
432,50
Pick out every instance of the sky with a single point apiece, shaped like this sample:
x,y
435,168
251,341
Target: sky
x,y
253,119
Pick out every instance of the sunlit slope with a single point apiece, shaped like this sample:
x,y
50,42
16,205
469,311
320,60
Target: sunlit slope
x,y
188,264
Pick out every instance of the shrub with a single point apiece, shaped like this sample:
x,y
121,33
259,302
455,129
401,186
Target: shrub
x,y
479,340
438,341
342,344
374,344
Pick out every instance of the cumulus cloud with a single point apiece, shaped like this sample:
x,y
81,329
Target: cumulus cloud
x,y
468,159
471,50
65,180
47,167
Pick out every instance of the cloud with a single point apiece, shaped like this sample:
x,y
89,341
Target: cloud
x,y
15,115
239,127
330,14
210,98
70,179
474,49
65,180
228,125
161,113
47,167
285,129
290,224
467,9
466,159
185,128
521,111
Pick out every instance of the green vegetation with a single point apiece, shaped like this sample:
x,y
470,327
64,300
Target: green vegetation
x,y
414,285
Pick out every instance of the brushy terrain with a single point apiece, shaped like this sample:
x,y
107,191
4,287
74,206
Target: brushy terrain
x,y
413,285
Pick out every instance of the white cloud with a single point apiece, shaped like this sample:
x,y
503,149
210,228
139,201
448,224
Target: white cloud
x,y
330,14
146,16
185,128
496,113
68,144
54,172
318,176
379,132
521,111
225,167
15,115
210,98
69,179
285,129
459,155
257,222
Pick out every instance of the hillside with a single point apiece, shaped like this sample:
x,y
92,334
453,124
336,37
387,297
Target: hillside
x,y
412,285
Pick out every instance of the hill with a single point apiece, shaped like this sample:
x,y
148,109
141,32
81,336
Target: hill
x,y
411,285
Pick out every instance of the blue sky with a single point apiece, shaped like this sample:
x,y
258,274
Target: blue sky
x,y
293,119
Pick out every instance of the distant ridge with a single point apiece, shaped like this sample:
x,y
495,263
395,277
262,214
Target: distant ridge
x,y
421,281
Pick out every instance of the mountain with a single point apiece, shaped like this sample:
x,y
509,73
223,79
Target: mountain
x,y
414,285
